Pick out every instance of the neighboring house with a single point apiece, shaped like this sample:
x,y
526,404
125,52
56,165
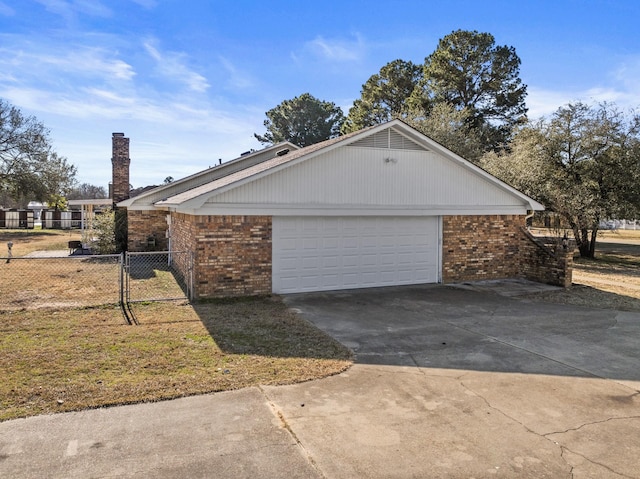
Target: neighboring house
x,y
37,208
379,207
88,208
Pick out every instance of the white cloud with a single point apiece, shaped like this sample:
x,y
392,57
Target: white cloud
x,y
173,65
621,86
149,4
69,8
236,78
628,74
92,61
81,62
337,50
6,10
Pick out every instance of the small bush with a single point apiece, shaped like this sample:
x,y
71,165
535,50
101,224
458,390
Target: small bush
x,y
100,236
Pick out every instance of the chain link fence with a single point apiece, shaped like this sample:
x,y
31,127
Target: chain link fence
x,y
74,281
157,276
93,280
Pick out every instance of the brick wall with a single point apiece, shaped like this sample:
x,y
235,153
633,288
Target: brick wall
x,y
498,247
232,253
551,264
119,188
480,247
145,225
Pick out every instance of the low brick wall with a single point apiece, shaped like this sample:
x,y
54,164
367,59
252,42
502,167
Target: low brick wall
x,y
183,238
146,225
478,248
232,253
545,263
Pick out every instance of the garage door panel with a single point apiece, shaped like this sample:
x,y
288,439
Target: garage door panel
x,y
330,243
350,280
311,263
329,253
388,259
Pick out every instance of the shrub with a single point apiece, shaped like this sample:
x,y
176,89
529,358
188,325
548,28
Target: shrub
x,y
100,235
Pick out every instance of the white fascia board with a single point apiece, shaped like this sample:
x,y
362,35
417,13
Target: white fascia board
x,y
142,206
95,202
352,210
147,207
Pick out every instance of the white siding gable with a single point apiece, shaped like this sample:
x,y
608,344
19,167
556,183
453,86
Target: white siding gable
x,y
368,175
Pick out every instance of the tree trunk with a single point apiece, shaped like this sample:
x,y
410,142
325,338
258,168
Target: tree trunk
x,y
592,246
584,245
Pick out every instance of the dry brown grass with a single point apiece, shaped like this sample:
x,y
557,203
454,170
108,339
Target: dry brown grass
x,y
75,281
611,280
54,360
27,241
65,360
32,283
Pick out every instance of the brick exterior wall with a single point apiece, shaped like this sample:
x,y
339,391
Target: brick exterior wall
x,y
498,247
120,187
144,225
232,253
480,247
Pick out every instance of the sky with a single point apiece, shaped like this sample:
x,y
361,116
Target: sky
x,y
189,81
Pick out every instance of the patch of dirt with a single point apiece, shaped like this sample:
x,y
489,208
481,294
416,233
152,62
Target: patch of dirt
x,y
610,281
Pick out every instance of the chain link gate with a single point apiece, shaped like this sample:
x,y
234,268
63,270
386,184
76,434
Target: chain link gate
x,y
94,280
155,276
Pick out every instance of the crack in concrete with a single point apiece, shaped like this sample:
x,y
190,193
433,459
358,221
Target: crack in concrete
x,y
520,423
507,343
571,468
604,466
562,447
285,425
602,421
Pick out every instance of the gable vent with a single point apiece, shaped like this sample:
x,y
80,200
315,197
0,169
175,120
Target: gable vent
x,y
389,139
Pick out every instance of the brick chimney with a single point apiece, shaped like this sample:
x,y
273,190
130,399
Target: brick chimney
x,y
120,187
120,168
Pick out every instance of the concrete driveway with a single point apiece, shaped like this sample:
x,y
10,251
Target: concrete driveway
x,y
448,382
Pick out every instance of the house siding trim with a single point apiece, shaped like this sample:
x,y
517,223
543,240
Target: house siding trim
x,y
351,210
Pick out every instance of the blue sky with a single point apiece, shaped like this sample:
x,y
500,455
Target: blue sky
x,y
189,81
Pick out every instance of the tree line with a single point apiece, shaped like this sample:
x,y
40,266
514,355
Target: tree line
x,y
582,162
30,169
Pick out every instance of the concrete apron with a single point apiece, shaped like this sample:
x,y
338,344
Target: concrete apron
x,y
455,383
448,383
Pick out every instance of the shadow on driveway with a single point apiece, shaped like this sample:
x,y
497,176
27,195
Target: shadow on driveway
x,y
437,326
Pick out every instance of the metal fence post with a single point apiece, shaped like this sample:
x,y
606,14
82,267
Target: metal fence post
x,y
121,280
192,256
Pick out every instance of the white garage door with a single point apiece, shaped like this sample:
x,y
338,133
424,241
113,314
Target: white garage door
x,y
329,253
